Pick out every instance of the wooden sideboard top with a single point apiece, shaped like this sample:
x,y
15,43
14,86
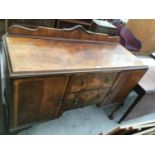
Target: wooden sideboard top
x,y
29,53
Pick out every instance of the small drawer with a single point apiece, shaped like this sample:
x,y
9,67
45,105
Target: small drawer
x,y
84,98
90,81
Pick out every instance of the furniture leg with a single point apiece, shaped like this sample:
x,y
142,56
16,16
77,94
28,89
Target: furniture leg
x,y
140,95
111,116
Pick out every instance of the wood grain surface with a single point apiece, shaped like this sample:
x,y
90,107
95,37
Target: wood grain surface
x,y
31,55
90,66
77,32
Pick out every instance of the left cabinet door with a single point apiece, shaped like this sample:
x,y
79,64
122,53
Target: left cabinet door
x,y
37,99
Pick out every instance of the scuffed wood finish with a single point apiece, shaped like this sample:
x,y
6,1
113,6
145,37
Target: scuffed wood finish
x,y
78,32
40,55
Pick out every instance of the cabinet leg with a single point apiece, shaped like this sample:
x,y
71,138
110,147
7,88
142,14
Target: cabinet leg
x,y
111,116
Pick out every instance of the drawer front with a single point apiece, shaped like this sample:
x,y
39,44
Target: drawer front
x,y
89,81
84,98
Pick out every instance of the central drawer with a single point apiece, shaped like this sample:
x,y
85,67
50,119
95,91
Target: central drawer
x,y
88,81
84,98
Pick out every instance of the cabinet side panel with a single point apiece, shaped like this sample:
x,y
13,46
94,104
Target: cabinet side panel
x,y
7,89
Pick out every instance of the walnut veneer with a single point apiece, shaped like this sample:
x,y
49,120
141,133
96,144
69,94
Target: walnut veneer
x,y
48,71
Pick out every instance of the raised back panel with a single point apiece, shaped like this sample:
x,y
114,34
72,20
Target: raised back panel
x,y
78,32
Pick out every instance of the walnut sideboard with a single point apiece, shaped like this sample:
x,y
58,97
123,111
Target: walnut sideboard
x,y
48,71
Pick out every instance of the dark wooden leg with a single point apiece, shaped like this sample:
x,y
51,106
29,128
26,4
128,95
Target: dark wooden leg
x,y
140,93
111,116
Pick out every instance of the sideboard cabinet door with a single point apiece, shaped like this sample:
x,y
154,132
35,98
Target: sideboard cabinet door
x,y
37,99
124,84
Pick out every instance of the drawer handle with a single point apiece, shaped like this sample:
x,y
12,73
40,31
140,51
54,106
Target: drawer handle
x,y
76,101
83,83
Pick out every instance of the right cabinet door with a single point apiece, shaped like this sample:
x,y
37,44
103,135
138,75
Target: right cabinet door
x,y
124,84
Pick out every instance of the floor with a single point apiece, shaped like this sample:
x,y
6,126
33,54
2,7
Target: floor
x,y
90,120
85,121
